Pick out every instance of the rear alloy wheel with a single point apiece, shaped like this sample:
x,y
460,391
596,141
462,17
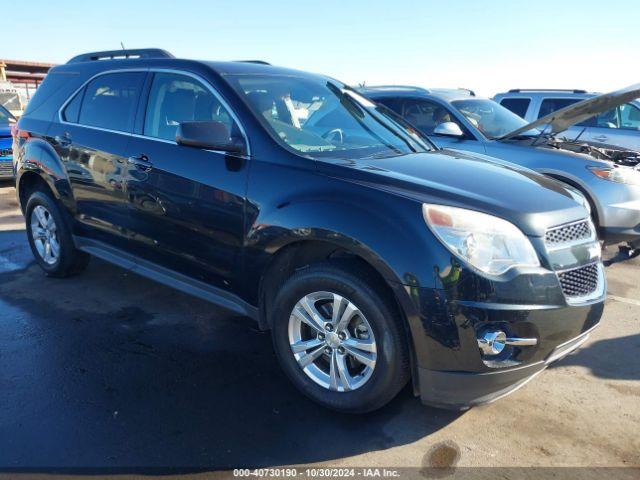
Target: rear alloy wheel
x,y
332,341
50,237
44,232
339,337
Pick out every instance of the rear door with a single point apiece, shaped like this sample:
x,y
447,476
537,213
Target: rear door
x,y
91,138
187,204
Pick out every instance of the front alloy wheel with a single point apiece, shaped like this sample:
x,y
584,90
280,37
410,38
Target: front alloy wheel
x,y
332,341
339,336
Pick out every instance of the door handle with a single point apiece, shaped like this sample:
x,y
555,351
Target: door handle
x,y
141,162
63,140
600,138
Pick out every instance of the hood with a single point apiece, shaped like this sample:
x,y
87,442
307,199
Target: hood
x,y
527,199
564,118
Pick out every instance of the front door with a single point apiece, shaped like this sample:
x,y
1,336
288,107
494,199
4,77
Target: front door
x,y
619,126
186,204
91,139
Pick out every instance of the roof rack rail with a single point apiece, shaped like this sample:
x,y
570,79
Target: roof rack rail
x,y
258,62
570,90
121,55
396,87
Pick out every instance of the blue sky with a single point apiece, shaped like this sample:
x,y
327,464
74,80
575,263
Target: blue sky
x,y
485,45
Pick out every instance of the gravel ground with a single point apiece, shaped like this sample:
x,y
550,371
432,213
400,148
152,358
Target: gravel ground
x,y
109,370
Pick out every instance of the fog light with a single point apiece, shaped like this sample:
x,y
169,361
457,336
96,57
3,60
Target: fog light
x,y
492,342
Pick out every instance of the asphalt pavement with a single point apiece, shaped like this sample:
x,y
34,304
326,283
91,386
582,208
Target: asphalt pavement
x,y
107,370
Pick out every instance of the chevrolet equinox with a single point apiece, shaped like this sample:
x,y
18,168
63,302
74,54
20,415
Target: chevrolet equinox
x,y
374,258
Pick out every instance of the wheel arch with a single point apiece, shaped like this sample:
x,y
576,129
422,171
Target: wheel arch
x,y
302,253
578,185
41,165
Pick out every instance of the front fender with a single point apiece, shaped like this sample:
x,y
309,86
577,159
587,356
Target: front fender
x,y
395,243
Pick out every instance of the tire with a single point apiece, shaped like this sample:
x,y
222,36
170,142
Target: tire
x,y
64,260
366,388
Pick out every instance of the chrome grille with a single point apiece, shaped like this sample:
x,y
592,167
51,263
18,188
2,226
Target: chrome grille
x,y
568,233
581,281
6,169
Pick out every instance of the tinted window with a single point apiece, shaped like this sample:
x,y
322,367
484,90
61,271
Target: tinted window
x,y
519,106
550,105
426,115
177,98
72,110
394,104
110,101
629,116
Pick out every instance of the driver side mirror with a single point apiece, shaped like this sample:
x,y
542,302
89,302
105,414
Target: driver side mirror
x,y
448,129
210,135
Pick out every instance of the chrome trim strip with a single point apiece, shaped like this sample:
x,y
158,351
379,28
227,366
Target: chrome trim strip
x,y
197,77
560,351
521,342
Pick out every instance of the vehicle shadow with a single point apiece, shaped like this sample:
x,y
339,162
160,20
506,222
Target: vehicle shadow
x,y
612,358
110,371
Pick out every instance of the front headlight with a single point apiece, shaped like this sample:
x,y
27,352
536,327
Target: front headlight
x,y
488,243
622,174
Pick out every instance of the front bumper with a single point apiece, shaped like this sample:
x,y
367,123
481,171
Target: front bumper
x,y
451,371
619,214
462,390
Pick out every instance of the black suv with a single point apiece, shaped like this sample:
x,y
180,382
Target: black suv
x,y
287,197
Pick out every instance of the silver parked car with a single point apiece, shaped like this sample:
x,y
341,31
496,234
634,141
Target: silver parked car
x,y
619,126
457,119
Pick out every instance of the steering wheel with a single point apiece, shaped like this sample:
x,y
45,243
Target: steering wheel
x,y
332,133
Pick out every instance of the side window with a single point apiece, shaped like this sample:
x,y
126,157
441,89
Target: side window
x,y
110,101
72,110
550,105
176,98
519,106
608,119
394,104
426,115
630,116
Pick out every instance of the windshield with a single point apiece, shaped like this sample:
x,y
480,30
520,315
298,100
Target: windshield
x,y
320,119
492,119
5,116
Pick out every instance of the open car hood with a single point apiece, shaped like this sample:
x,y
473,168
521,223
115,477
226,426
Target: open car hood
x,y
564,118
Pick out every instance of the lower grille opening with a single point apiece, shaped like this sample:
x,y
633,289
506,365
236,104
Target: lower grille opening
x,y
581,281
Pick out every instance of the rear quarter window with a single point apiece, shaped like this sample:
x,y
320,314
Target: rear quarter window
x,y
72,111
519,106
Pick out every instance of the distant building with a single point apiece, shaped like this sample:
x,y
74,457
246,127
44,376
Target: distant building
x,y
18,81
